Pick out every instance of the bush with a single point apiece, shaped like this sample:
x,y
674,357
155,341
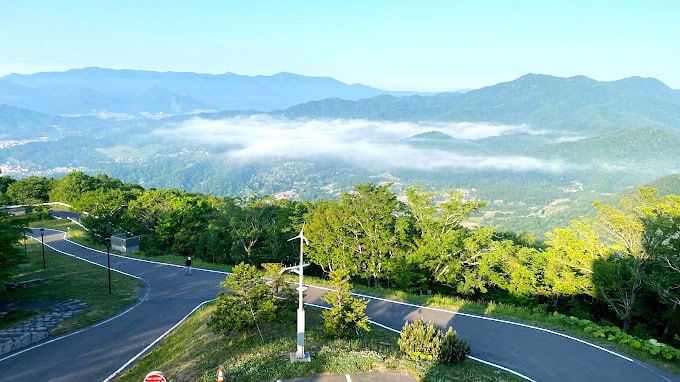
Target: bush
x,y
613,333
453,349
348,313
421,341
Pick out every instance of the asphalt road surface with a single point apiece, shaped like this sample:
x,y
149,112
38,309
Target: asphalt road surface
x,y
102,351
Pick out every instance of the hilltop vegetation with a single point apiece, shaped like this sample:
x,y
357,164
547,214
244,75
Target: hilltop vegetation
x,y
618,267
538,150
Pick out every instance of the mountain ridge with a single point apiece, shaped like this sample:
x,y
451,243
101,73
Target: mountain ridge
x,y
522,144
44,91
584,104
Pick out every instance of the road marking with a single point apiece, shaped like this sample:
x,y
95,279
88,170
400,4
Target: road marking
x,y
495,320
141,300
314,305
120,256
470,357
348,378
501,367
141,353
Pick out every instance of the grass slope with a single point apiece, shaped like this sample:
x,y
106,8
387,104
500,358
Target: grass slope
x,y
69,278
536,316
193,353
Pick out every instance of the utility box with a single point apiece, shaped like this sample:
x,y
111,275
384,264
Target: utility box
x,y
121,242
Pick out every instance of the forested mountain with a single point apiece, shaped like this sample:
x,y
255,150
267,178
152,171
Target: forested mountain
x,y
82,91
577,104
539,149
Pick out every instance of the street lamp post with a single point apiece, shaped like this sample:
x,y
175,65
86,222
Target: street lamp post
x,y
107,241
42,241
301,355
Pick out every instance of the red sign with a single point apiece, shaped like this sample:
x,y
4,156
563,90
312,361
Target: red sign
x,y
155,376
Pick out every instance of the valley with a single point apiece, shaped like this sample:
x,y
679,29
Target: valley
x,y
538,150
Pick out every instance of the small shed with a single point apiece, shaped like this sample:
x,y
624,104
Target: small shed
x,y
121,242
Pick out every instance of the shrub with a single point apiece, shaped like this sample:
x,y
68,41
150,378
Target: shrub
x,y
348,313
453,349
420,340
613,333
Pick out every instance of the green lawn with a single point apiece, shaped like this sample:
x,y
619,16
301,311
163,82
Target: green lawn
x,y
193,353
534,316
69,278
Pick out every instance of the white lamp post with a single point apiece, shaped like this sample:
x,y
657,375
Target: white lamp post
x,y
301,355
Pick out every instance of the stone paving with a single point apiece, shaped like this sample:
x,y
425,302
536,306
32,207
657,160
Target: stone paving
x,y
37,328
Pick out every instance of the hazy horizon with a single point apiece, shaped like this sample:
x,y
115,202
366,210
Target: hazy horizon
x,y
426,46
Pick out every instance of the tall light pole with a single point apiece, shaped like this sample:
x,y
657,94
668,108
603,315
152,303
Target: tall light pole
x,y
107,241
42,241
301,355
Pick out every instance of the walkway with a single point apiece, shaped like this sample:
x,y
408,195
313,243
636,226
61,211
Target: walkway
x,y
98,353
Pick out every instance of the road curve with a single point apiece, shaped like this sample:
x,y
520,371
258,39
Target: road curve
x,y
99,352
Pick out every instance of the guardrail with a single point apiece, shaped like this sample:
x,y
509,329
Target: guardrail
x,y
37,204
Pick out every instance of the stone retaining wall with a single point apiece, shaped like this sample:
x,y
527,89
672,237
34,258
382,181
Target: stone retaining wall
x,y
37,328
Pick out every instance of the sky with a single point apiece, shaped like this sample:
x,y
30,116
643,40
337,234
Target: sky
x,y
422,45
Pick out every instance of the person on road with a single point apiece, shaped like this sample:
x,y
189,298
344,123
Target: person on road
x,y
187,269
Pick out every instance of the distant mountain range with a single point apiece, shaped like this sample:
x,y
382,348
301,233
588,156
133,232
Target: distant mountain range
x,y
540,149
84,91
577,104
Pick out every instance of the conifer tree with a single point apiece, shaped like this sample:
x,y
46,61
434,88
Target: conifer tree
x,y
347,313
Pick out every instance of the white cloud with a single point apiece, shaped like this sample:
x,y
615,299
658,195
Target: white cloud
x,y
376,144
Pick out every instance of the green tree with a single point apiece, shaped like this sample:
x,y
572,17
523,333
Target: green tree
x,y
105,209
619,278
248,303
5,181
279,287
330,247
11,231
605,256
30,190
444,250
570,255
361,232
69,188
262,228
347,313
661,219
171,221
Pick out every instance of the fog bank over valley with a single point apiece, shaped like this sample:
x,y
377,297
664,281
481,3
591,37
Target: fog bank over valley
x,y
373,144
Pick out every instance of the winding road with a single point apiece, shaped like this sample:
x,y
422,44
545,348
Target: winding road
x,y
102,351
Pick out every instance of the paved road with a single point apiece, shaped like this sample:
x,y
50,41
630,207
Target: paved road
x,y
98,352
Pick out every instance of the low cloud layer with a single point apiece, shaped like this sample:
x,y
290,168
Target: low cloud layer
x,y
373,144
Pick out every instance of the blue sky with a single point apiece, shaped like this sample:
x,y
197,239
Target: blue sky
x,y
397,45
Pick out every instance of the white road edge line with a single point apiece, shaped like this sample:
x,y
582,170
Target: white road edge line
x,y
493,319
501,367
141,300
470,357
133,359
314,305
136,259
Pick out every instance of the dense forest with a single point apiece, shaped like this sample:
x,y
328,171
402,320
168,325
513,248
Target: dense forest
x,y
539,149
621,266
